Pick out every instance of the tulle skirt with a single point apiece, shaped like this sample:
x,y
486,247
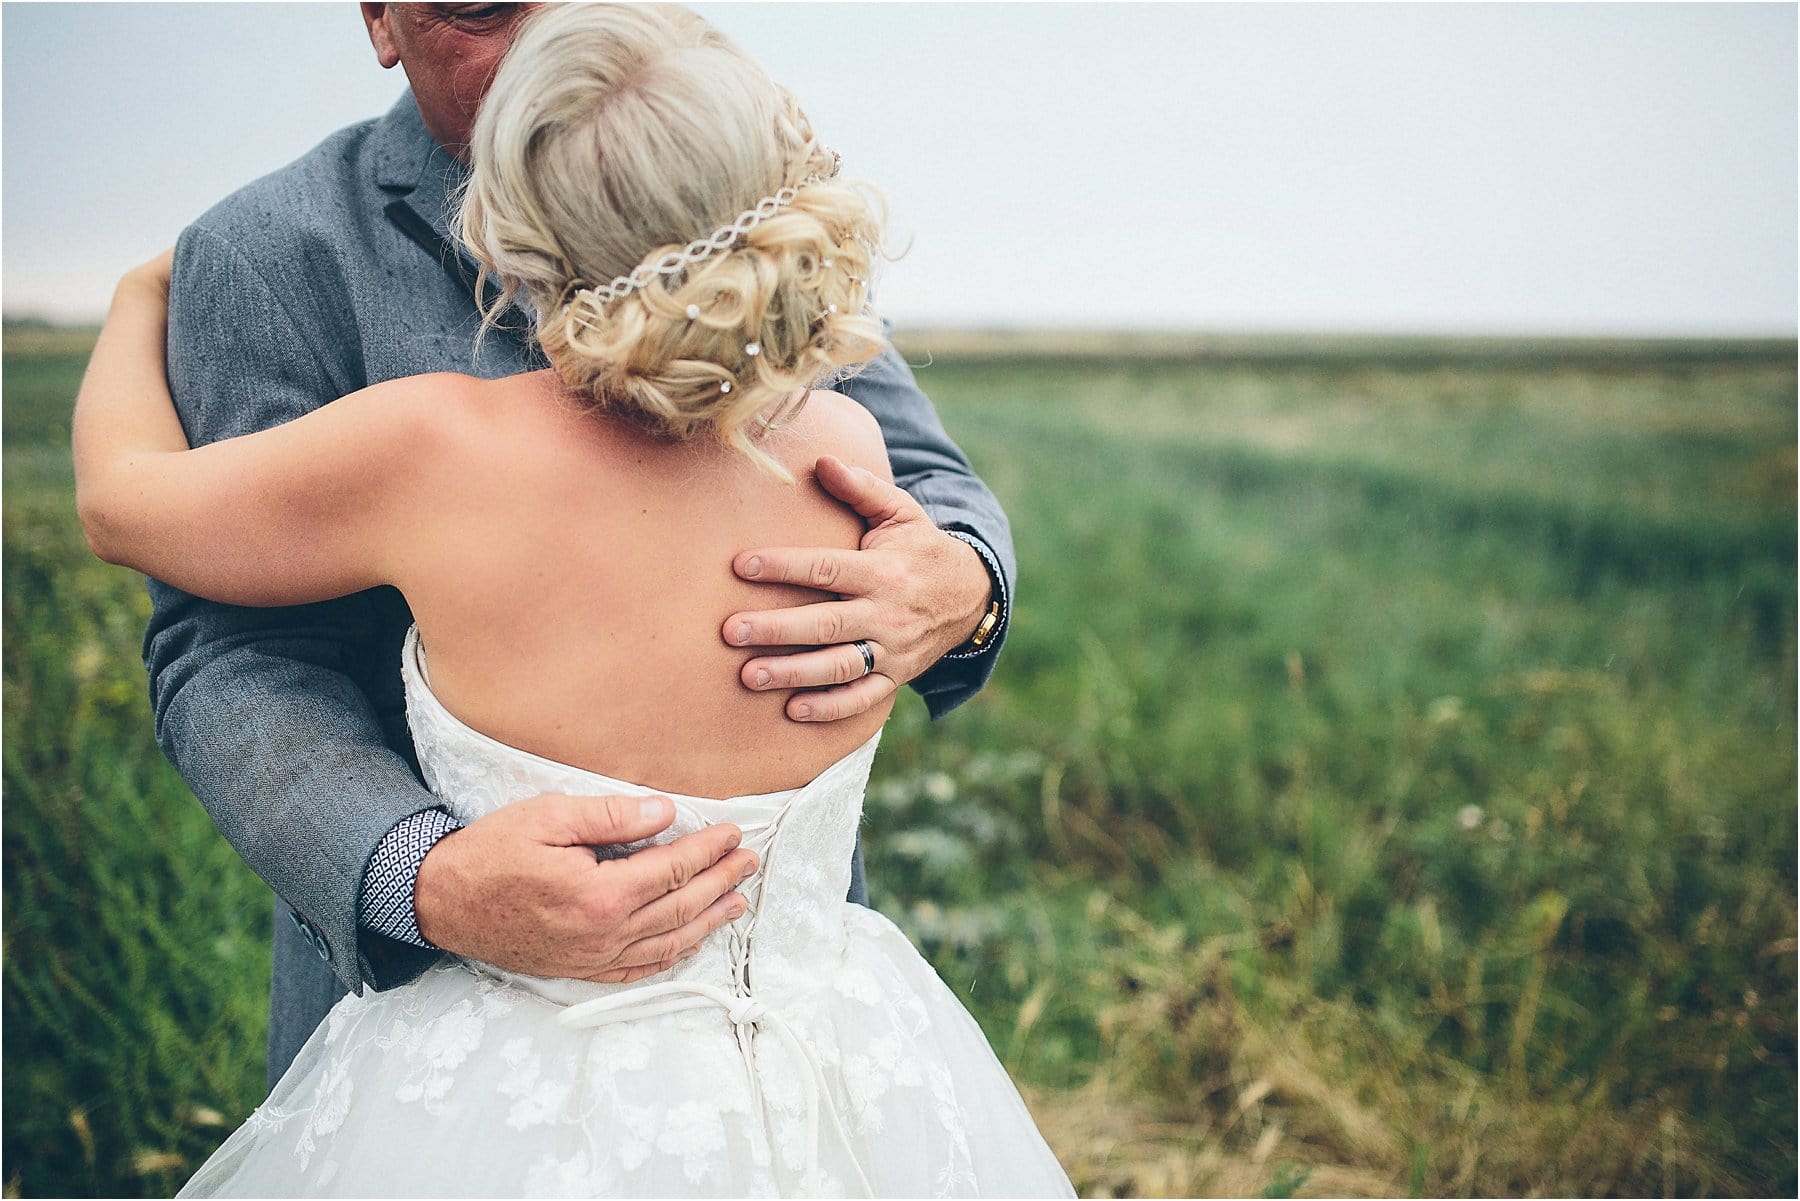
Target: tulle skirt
x,y
854,1073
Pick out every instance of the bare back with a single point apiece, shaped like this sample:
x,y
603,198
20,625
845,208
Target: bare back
x,y
570,576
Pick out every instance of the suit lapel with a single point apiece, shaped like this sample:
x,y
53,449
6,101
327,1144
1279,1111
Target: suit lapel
x,y
420,177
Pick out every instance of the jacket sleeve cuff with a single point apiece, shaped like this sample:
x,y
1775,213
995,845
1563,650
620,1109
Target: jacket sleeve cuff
x,y
997,582
385,904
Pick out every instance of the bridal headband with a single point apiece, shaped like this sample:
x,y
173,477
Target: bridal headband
x,y
700,249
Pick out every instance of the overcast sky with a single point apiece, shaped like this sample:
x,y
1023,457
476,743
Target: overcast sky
x,y
1392,168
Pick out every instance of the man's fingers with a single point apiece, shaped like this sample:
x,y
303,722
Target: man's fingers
x,y
664,949
654,872
835,704
875,499
629,975
598,821
806,625
826,568
673,910
843,664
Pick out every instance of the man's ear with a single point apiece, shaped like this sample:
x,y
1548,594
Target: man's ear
x,y
378,18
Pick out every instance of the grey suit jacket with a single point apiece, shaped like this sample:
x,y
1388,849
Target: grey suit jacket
x,y
334,273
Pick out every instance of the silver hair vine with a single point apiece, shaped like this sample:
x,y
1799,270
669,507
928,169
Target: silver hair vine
x,y
700,249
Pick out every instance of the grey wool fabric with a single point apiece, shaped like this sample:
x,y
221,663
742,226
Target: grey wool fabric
x,y
334,273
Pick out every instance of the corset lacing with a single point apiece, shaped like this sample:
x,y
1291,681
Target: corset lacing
x,y
748,1014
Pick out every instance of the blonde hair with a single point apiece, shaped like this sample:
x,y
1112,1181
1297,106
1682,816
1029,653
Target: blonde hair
x,y
613,135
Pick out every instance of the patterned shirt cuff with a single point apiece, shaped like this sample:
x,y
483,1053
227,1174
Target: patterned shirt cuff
x,y
386,904
997,581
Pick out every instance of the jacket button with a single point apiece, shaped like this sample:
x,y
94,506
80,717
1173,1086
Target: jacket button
x,y
323,947
299,923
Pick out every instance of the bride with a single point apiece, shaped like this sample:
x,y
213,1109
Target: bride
x,y
695,266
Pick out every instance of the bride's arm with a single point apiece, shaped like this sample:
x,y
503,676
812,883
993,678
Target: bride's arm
x,y
298,513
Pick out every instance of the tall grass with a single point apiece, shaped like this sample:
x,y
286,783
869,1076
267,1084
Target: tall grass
x,y
1388,787
135,941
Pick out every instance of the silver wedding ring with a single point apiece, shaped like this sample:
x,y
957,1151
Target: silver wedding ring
x,y
868,655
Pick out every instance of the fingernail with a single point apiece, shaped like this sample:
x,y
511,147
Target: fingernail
x,y
764,679
753,566
742,634
653,809
802,712
688,954
736,906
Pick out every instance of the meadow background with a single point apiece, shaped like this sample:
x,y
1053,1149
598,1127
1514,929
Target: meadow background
x,y
1388,786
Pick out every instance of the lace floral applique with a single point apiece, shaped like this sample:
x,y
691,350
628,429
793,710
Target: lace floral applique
x,y
535,1099
696,1132
331,1104
343,1016
576,1176
436,1048
950,1117
268,1118
623,1048
854,984
870,1074
637,1127
956,1181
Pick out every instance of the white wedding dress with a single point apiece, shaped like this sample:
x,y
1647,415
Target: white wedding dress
x,y
808,1049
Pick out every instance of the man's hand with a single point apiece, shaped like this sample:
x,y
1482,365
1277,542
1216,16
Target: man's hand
x,y
520,888
911,591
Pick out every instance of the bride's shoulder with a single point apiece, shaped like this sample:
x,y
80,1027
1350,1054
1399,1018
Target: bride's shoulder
x,y
419,429
446,387
831,423
416,395
404,412
445,406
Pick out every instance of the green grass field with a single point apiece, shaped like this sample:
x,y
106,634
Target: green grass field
x,y
1388,787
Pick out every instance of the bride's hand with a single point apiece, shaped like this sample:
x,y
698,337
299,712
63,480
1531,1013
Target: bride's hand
x,y
152,276
911,592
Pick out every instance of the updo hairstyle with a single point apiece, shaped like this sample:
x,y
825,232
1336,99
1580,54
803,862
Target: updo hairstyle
x,y
613,136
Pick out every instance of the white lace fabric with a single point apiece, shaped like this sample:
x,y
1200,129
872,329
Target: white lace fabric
x,y
807,1050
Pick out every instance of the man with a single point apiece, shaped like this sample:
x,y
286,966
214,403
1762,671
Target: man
x,y
338,272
